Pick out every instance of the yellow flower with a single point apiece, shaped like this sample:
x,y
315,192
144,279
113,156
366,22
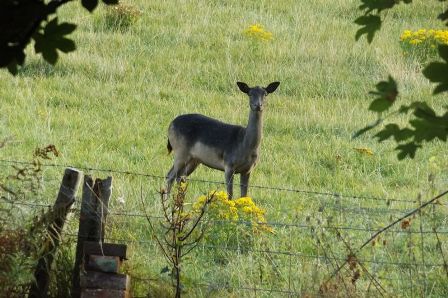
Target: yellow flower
x,y
247,209
366,151
421,36
257,31
406,34
183,186
242,208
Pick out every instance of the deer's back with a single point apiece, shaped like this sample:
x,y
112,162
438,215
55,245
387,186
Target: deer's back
x,y
194,128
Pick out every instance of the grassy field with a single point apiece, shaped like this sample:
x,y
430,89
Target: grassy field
x,y
108,106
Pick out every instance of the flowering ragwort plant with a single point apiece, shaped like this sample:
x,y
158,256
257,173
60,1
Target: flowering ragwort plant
x,y
235,222
239,210
422,44
257,32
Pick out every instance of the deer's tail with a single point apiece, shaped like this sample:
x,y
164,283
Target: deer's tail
x,y
168,146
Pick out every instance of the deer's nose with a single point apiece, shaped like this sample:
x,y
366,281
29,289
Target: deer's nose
x,y
258,107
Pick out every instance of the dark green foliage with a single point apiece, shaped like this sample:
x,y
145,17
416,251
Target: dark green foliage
x,y
437,72
53,38
378,5
371,22
90,5
425,125
387,92
24,20
367,128
444,15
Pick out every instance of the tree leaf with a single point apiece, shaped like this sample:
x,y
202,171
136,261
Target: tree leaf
x,y
66,45
110,2
393,130
12,68
378,5
366,129
387,93
90,5
437,72
380,105
407,150
66,28
52,38
370,24
443,51
50,55
440,88
443,16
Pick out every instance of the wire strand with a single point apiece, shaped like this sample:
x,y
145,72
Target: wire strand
x,y
274,188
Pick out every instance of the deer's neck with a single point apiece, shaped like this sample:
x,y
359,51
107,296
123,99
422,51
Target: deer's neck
x,y
254,129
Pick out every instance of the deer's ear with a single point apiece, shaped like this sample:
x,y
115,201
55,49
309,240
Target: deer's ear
x,y
272,87
243,87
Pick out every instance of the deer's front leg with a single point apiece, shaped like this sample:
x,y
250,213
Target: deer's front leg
x,y
229,182
244,181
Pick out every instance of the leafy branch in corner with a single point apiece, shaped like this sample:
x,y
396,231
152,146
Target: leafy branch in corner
x,y
23,21
425,124
371,21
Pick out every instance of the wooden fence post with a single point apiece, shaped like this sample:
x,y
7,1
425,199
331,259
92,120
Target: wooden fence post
x,y
66,197
94,209
103,190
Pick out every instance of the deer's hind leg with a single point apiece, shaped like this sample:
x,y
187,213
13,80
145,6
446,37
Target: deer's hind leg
x,y
180,164
191,166
228,174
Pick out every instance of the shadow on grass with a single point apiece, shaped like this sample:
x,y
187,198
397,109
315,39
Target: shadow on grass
x,y
40,68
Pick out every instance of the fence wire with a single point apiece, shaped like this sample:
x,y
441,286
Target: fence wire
x,y
303,225
243,222
272,188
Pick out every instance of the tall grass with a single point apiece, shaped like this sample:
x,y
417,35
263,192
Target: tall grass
x,y
108,105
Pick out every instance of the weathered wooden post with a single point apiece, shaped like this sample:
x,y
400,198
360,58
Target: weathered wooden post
x,y
100,277
103,191
66,197
92,219
97,263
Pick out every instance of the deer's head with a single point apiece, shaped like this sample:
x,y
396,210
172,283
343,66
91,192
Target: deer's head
x,y
257,94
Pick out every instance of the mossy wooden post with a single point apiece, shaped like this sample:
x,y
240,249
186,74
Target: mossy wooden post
x,y
103,190
66,197
86,213
94,208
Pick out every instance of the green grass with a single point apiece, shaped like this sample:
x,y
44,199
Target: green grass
x,y
108,105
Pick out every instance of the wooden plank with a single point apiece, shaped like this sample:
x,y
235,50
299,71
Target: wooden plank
x,y
104,293
110,264
106,249
87,212
66,197
101,280
92,220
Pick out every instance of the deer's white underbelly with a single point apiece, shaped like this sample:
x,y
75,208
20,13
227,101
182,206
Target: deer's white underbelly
x,y
208,155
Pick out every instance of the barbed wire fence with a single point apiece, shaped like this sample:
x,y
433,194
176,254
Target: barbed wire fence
x,y
319,229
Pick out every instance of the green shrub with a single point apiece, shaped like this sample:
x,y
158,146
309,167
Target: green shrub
x,y
421,44
236,222
120,17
